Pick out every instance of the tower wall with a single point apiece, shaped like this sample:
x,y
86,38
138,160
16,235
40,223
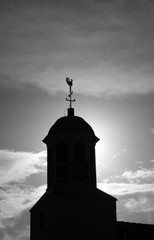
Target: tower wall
x,y
74,217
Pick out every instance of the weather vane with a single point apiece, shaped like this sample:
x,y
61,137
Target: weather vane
x,y
70,83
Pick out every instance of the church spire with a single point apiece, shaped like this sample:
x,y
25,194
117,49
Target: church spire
x,y
69,99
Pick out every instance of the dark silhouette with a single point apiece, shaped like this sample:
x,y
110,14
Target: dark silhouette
x,y
70,83
134,231
72,207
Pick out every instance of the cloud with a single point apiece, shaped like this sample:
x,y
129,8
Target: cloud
x,y
136,208
135,202
16,195
17,166
119,189
16,227
17,198
129,182
139,196
139,175
103,47
136,205
14,209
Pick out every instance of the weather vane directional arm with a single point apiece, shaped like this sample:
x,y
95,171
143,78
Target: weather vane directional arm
x,y
70,83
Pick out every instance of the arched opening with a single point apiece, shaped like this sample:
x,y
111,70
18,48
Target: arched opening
x,y
61,152
79,152
61,162
79,165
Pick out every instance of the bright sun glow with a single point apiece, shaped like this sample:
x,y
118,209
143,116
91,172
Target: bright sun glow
x,y
108,149
104,145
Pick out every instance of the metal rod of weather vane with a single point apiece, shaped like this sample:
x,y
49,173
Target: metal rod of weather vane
x,y
70,83
71,96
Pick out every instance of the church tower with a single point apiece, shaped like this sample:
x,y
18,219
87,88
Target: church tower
x,y
72,207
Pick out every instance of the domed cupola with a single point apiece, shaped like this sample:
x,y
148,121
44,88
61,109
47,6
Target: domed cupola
x,y
71,151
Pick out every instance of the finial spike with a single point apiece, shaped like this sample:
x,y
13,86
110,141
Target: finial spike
x,y
70,83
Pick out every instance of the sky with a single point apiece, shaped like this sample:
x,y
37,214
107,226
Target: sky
x,y
106,47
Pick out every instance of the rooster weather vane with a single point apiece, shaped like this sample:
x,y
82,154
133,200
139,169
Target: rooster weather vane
x,y
70,83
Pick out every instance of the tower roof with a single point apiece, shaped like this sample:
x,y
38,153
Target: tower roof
x,y
70,124
76,190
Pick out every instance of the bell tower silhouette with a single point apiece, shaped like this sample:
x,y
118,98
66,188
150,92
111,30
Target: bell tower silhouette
x,y
71,150
72,206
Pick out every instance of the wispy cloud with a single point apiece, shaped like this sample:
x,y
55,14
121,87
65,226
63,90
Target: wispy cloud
x,y
14,209
141,175
17,166
17,198
118,189
16,194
